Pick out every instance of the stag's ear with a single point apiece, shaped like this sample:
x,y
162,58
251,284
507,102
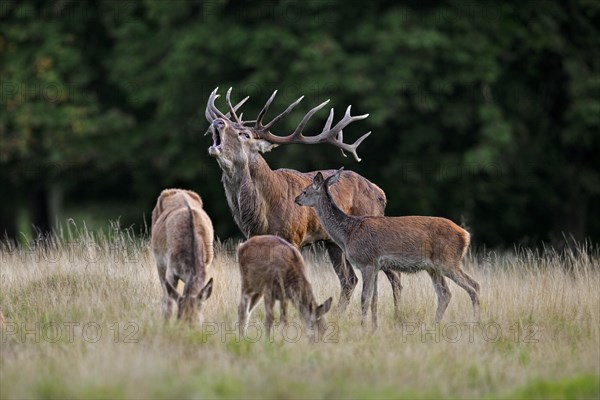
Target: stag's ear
x,y
173,293
335,177
324,308
206,291
264,147
317,180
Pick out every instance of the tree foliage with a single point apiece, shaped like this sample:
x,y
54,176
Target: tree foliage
x,y
481,111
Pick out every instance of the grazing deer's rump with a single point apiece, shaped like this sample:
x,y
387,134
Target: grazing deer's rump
x,y
272,268
182,243
409,244
261,200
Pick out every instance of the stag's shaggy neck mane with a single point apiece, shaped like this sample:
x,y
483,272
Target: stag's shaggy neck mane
x,y
248,188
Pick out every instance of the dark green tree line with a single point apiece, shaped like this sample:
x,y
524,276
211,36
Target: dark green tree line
x,y
482,112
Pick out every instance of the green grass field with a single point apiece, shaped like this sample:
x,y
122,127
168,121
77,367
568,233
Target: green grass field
x,y
83,320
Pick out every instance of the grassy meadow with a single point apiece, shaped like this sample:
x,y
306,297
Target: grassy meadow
x,y
83,320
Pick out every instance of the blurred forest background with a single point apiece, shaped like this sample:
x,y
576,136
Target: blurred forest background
x,y
487,113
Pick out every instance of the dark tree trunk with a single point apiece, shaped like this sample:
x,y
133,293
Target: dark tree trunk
x,y
8,211
571,227
40,213
8,223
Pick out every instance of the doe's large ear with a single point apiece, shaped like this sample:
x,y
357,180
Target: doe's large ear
x,y
317,180
335,177
324,308
195,196
206,291
173,293
158,209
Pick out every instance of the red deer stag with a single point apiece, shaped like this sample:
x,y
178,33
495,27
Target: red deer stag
x,y
407,244
273,268
182,243
262,200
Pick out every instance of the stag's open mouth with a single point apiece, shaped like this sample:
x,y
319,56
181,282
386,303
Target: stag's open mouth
x,y
216,138
215,149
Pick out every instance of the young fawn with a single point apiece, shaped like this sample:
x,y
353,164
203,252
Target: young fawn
x,y
273,268
407,244
182,242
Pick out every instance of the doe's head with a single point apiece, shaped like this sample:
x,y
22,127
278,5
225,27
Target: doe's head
x,y
189,307
315,321
313,192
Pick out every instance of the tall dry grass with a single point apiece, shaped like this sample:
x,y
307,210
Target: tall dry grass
x,y
82,319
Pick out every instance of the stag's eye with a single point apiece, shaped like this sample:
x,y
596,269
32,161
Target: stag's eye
x,y
245,134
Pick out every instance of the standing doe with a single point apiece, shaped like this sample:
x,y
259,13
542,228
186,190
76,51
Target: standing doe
x,y
407,244
182,242
273,268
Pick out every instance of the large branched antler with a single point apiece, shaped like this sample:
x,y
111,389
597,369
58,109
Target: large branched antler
x,y
332,135
212,112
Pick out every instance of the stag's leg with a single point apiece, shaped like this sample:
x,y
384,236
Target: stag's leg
x,y
443,294
394,278
462,280
345,273
369,274
471,281
374,303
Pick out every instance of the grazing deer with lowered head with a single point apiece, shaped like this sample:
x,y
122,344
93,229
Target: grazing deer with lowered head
x,y
407,244
182,242
272,268
262,200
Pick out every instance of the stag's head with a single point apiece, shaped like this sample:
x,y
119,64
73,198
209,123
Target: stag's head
x,y
236,141
189,306
311,195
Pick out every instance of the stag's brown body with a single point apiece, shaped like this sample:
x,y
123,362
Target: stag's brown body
x,y
262,200
272,268
182,243
408,244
